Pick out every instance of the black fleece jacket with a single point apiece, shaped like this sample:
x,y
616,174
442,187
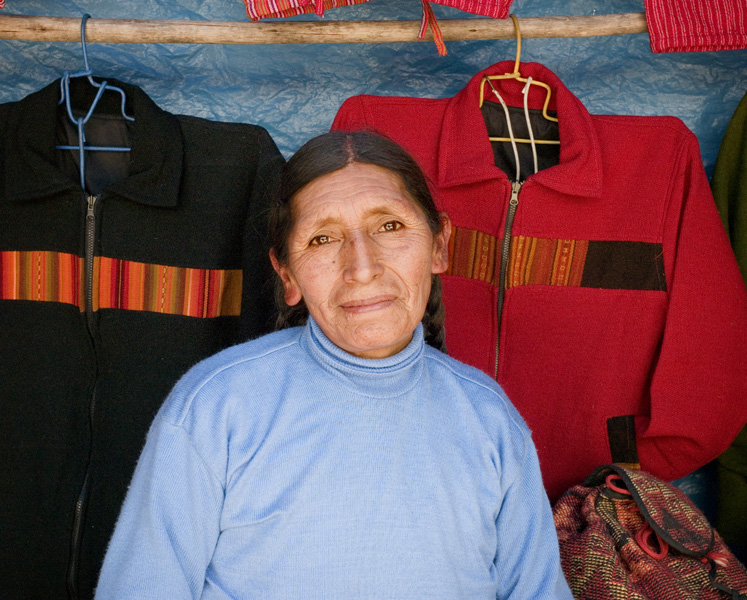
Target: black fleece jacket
x,y
83,370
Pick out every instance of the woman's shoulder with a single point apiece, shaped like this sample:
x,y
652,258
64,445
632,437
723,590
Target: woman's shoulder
x,y
463,372
476,387
215,380
266,348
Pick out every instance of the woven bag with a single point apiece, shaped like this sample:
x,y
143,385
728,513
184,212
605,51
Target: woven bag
x,y
626,535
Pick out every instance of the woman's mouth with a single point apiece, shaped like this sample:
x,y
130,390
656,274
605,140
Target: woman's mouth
x,y
367,304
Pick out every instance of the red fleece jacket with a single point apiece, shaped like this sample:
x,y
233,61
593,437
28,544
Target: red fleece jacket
x,y
622,294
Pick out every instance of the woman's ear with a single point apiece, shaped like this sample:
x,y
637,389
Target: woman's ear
x,y
440,260
292,291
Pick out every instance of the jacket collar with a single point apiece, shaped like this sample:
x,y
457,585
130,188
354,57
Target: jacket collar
x,y
466,155
29,147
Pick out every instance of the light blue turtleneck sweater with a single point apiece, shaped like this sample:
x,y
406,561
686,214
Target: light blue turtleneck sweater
x,y
287,468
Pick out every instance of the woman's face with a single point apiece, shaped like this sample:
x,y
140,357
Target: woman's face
x,y
361,256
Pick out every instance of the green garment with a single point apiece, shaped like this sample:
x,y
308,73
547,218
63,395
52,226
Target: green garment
x,y
729,185
731,519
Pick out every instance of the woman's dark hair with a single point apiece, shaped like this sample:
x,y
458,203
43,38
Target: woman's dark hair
x,y
330,152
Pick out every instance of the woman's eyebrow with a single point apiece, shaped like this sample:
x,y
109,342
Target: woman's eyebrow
x,y
378,210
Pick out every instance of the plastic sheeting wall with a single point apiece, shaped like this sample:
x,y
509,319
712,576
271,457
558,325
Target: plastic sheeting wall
x,y
294,91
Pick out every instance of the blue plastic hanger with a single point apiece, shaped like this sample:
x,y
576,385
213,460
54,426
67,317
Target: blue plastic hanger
x,y
81,121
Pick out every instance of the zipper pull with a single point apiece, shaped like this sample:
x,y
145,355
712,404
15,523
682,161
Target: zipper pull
x,y
91,206
515,189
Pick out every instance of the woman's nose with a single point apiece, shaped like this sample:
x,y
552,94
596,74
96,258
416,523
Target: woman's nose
x,y
361,260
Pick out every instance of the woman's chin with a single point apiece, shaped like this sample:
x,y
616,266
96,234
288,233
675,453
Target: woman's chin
x,y
377,339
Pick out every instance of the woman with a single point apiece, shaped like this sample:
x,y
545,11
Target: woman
x,y
343,457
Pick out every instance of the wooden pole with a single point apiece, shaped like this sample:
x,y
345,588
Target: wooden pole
x,y
131,31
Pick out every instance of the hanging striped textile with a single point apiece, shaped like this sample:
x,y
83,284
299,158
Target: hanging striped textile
x,y
491,8
696,26
263,9
120,284
498,9
429,19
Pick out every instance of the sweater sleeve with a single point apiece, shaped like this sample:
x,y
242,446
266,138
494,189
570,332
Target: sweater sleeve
x,y
169,524
528,559
698,386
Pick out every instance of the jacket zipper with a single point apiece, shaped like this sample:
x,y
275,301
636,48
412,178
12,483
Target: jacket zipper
x,y
72,576
80,504
513,203
90,239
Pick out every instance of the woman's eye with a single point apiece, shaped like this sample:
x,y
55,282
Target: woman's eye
x,y
319,240
391,226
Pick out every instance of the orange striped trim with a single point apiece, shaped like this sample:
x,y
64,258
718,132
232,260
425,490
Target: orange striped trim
x,y
532,261
38,275
474,254
185,291
608,264
543,261
121,284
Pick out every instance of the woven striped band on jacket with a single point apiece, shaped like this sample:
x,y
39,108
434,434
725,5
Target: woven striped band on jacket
x,y
121,284
561,262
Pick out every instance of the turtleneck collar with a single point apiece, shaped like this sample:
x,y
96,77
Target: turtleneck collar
x,y
374,377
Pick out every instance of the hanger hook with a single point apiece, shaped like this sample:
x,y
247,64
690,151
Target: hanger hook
x,y
517,29
83,40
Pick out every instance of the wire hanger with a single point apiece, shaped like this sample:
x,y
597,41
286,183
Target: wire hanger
x,y
80,122
516,75
511,137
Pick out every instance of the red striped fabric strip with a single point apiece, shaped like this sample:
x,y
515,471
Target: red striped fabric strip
x,y
264,9
696,26
498,9
429,19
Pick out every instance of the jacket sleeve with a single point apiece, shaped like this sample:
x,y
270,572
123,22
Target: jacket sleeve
x,y
698,389
351,116
169,525
527,559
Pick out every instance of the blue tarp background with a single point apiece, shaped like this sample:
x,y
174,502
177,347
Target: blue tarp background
x,y
294,91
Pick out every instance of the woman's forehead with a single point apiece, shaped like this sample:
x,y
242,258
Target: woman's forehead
x,y
354,191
